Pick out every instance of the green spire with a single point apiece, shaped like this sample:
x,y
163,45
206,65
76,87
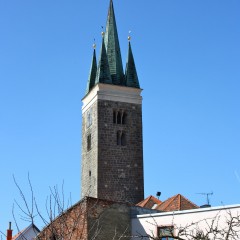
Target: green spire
x,y
103,72
113,48
93,72
109,69
131,72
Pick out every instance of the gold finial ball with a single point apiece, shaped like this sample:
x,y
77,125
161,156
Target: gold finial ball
x,y
129,38
103,33
94,45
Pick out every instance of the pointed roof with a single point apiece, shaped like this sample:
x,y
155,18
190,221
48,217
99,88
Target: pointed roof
x,y
131,72
113,48
103,71
109,69
176,203
28,233
149,202
92,74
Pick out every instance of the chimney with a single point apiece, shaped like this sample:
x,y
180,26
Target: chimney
x,y
9,232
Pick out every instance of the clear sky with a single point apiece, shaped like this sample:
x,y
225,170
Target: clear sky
x,y
187,54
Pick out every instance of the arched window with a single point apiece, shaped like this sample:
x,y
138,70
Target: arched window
x,y
119,117
121,138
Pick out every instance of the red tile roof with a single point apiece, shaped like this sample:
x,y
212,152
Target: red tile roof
x,y
149,202
176,203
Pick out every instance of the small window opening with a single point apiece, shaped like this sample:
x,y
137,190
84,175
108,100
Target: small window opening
x,y
118,137
119,117
89,142
114,117
89,118
123,139
90,173
124,118
166,233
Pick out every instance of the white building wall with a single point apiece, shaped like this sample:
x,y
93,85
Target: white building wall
x,y
146,225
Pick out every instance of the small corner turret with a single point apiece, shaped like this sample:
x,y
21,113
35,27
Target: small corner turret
x,y
131,72
93,72
103,71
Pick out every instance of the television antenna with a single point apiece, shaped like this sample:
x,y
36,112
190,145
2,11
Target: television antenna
x,y
207,195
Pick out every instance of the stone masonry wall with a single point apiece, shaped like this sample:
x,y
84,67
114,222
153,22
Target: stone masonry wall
x,y
109,170
120,168
89,180
108,220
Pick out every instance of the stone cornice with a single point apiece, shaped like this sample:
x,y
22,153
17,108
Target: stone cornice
x,y
111,92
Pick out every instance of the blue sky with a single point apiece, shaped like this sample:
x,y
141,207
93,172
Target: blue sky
x,y
187,55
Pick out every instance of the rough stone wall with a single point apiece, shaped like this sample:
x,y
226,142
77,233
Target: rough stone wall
x,y
90,158
108,220
111,171
120,168
90,219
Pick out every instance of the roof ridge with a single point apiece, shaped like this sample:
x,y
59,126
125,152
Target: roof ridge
x,y
180,196
171,198
144,200
155,199
189,201
148,199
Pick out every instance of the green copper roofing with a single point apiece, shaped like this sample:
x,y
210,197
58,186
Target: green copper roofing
x,y
103,72
92,74
131,72
109,69
113,48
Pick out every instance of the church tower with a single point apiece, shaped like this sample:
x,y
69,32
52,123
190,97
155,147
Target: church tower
x,y
112,145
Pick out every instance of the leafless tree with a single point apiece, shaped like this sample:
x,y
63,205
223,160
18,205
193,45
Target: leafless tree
x,y
221,227
62,220
85,220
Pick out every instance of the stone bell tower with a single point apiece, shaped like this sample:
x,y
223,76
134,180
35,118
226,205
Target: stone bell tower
x,y
112,145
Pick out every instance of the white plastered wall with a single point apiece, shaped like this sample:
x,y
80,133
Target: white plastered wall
x,y
146,225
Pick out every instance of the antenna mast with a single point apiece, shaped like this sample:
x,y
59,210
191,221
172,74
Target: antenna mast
x,y
207,196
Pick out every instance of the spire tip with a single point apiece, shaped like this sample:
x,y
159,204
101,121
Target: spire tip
x,y
129,36
102,33
94,44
